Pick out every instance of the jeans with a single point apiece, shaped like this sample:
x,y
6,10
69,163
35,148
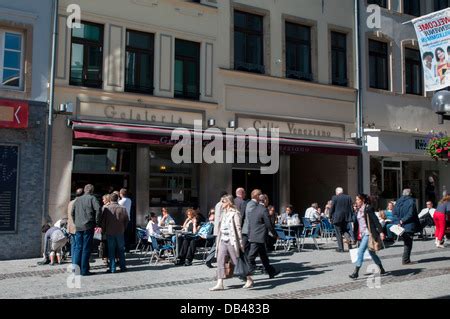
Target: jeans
x,y
82,250
116,242
363,246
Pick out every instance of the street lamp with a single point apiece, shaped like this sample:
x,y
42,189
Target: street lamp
x,y
441,105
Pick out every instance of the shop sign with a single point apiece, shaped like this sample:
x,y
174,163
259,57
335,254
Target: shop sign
x,y
13,114
133,114
420,144
295,129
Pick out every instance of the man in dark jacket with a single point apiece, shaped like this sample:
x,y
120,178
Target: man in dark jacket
x,y
86,215
114,223
247,208
406,212
341,214
258,227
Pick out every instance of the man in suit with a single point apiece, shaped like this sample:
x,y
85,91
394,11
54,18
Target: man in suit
x,y
258,227
247,208
341,215
406,211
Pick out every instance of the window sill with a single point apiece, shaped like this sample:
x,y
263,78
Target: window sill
x,y
416,96
381,91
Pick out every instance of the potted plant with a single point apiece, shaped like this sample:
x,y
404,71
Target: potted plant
x,y
438,147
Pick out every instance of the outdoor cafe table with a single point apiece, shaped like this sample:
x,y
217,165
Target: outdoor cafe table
x,y
293,228
175,233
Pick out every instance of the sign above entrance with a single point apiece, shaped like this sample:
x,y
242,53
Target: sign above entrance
x,y
295,129
141,115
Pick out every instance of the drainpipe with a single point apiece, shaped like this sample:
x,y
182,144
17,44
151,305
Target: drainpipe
x,y
359,100
48,148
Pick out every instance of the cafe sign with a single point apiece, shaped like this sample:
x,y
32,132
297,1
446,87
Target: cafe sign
x,y
140,115
294,128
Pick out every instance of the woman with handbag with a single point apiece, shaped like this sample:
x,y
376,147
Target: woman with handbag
x,y
229,243
371,234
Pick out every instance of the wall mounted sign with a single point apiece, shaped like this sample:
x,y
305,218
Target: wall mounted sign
x,y
13,114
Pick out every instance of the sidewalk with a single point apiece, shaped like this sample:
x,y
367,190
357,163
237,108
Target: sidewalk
x,y
306,274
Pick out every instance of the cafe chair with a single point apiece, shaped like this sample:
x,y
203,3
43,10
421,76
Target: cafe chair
x,y
284,240
157,251
328,231
312,232
142,241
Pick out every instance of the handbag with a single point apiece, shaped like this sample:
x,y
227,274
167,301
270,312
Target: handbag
x,y
375,244
229,269
242,268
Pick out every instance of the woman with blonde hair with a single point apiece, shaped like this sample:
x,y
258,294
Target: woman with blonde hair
x,y
229,241
439,220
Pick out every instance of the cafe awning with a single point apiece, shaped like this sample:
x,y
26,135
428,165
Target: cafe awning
x,y
125,133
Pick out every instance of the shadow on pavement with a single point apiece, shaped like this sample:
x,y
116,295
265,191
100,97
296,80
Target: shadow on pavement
x,y
431,260
404,272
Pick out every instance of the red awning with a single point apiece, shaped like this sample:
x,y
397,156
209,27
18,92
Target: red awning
x,y
162,136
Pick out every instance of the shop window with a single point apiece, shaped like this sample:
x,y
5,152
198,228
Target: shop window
x,y
11,59
187,69
139,62
86,64
100,160
172,185
298,52
339,58
411,7
379,65
381,3
248,42
413,72
441,4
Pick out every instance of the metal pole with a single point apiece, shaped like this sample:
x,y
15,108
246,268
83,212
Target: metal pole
x,y
359,100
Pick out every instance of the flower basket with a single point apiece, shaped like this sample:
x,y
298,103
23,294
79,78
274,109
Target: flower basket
x,y
438,147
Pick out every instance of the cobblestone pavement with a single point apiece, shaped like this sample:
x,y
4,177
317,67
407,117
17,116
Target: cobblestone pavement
x,y
308,274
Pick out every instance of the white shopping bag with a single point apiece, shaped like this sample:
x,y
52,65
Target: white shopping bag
x,y
354,255
397,229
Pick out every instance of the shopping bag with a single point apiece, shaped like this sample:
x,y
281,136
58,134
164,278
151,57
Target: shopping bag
x,y
242,268
98,233
354,255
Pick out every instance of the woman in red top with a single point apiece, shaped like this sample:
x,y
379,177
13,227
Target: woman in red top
x,y
439,220
442,65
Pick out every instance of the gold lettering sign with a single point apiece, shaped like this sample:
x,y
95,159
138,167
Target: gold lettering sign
x,y
296,129
138,114
6,114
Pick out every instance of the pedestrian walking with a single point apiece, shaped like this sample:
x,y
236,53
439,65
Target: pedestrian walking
x,y
86,215
126,202
341,214
405,211
217,217
439,220
229,241
258,228
371,233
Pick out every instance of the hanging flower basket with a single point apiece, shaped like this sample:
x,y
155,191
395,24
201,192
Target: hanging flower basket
x,y
438,147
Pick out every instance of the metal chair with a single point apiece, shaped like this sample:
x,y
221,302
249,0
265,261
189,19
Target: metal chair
x,y
284,240
311,232
157,250
143,243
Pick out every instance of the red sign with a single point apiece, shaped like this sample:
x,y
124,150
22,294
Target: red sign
x,y
13,114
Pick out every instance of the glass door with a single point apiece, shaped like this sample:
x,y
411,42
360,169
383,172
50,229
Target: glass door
x,y
392,180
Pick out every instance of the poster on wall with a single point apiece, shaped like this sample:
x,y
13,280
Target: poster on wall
x,y
9,161
433,34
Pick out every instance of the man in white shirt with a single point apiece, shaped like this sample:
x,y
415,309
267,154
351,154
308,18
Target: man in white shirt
x,y
126,202
152,227
426,216
312,213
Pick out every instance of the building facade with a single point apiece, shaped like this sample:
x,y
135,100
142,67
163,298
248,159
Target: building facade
x,y
135,72
25,46
396,109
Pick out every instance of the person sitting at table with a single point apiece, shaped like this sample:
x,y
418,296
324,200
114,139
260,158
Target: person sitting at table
x,y
389,221
288,215
153,227
165,219
312,213
186,240
273,217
